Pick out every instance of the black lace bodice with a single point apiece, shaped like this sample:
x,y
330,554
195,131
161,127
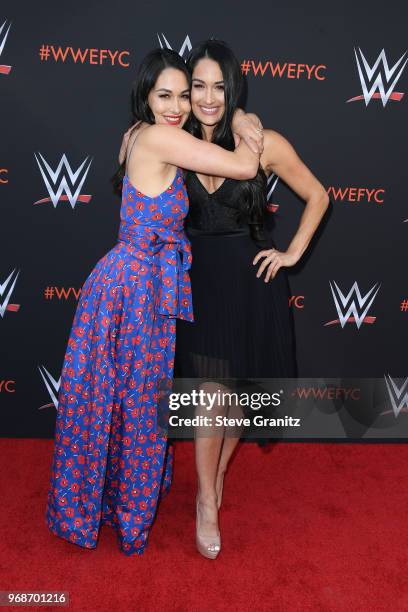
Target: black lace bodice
x,y
223,211
220,211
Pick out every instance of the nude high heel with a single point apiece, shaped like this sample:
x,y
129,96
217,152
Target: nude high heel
x,y
208,546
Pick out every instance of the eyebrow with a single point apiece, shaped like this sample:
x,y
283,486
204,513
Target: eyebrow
x,y
201,81
170,91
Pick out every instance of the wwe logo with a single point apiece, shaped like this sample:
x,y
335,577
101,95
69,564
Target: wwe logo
x,y
164,44
56,182
366,74
353,307
398,395
271,186
8,287
52,387
3,37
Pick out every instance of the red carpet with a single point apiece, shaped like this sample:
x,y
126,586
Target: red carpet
x,y
305,527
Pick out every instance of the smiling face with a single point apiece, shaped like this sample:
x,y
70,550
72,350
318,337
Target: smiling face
x,y
207,92
169,100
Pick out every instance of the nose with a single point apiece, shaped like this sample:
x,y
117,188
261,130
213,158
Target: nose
x,y
175,107
208,95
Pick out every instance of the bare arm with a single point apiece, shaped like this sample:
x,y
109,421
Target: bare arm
x,y
177,147
280,157
247,126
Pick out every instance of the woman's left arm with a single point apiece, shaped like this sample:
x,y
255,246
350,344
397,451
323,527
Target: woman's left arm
x,y
280,158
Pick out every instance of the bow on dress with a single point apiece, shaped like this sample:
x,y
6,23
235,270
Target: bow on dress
x,y
174,250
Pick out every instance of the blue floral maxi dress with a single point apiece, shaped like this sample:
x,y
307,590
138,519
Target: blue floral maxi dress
x,y
111,460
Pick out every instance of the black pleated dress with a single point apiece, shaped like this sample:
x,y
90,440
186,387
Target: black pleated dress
x,y
243,326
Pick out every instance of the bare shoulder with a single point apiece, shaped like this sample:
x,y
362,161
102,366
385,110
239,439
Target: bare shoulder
x,y
146,131
274,140
276,147
134,132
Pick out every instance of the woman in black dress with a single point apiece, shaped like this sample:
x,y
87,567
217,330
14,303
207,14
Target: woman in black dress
x,y
243,326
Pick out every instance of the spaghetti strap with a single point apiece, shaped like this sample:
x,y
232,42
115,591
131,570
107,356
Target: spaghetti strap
x,y
128,154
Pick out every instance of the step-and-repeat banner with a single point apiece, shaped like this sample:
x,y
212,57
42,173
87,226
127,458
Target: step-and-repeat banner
x,y
332,80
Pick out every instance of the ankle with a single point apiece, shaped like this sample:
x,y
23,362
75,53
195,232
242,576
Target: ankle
x,y
221,472
207,498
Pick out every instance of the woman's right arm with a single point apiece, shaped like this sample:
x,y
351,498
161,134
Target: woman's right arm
x,y
175,146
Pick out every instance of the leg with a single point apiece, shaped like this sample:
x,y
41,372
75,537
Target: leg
x,y
208,444
229,445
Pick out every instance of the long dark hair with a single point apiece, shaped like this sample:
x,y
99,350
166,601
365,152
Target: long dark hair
x,y
253,190
149,71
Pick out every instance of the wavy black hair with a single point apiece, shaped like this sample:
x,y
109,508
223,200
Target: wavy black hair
x,y
149,71
253,190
